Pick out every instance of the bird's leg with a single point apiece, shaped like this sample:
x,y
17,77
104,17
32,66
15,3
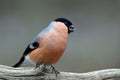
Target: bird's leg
x,y
37,65
54,70
44,69
41,73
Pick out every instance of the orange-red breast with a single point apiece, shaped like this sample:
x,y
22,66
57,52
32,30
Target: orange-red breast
x,y
49,45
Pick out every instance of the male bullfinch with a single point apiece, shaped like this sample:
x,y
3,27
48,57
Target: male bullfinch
x,y
49,45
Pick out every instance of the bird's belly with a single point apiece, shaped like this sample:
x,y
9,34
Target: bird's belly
x,y
48,53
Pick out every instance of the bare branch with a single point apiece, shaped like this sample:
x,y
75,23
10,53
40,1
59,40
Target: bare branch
x,y
29,73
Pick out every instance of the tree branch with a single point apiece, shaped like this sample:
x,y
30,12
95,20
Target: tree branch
x,y
30,73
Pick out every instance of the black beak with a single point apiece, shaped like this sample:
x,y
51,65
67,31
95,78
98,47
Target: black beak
x,y
71,29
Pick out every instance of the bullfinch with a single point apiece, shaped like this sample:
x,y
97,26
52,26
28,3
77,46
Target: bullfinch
x,y
49,45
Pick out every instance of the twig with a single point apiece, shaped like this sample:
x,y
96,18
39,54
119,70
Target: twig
x,y
30,73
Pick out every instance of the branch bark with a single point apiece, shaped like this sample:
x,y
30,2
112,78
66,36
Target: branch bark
x,y
30,73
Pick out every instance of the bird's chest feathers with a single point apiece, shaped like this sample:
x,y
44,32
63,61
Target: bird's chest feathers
x,y
54,40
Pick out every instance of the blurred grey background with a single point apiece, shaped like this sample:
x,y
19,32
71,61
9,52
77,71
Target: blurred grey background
x,y
94,45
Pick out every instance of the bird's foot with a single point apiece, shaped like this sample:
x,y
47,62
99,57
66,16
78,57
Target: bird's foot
x,y
42,69
45,70
54,70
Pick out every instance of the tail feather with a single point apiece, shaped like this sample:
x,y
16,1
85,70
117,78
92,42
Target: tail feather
x,y
18,64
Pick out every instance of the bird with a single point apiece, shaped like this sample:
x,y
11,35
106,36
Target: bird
x,y
49,45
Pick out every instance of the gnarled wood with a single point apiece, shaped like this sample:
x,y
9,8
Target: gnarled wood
x,y
30,73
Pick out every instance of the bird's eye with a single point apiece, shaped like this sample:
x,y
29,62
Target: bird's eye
x,y
34,45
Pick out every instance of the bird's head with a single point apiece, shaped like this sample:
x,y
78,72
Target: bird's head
x,y
68,24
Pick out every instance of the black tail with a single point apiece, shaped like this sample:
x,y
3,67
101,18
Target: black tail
x,y
20,62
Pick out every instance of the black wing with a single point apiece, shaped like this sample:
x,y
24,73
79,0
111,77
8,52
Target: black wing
x,y
29,48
